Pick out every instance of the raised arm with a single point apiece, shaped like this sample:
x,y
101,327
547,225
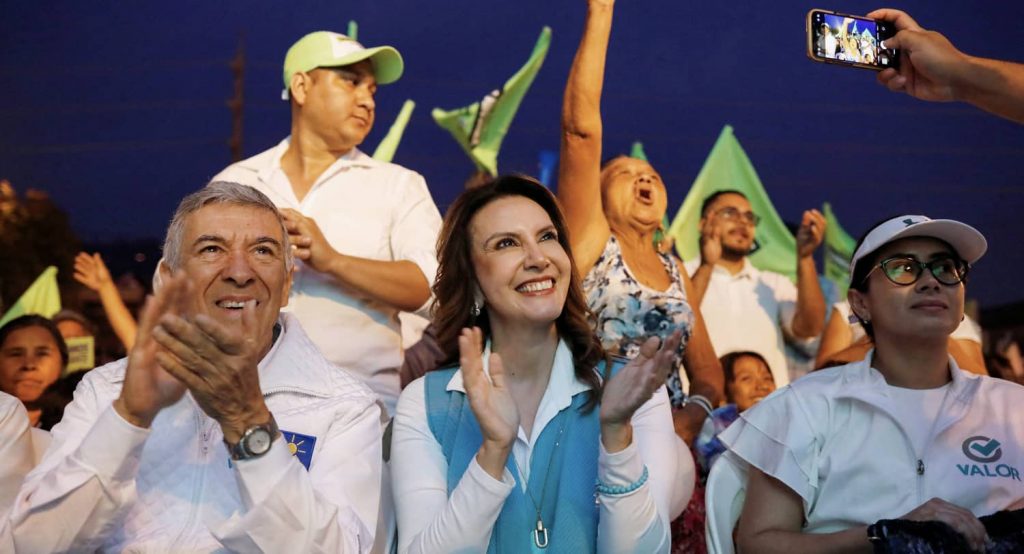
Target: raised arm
x,y
703,369
579,168
809,320
93,273
932,69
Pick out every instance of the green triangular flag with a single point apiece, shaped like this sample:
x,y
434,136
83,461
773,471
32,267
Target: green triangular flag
x,y
839,246
353,30
480,127
728,167
42,297
638,151
385,151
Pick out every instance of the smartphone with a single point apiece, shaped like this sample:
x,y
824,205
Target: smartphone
x,y
850,40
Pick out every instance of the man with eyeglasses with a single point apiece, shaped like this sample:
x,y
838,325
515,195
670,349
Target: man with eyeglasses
x,y
745,308
364,230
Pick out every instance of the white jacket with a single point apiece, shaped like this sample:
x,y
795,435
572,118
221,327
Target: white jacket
x,y
832,438
107,485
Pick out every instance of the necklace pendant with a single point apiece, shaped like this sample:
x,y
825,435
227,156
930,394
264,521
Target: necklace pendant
x,y
540,535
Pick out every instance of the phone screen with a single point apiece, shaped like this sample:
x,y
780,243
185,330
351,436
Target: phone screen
x,y
851,40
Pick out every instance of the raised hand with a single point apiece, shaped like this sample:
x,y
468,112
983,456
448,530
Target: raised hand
x,y
308,240
490,400
929,63
710,242
92,272
147,387
633,385
810,234
218,364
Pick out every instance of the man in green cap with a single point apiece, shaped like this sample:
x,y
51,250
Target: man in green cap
x,y
363,230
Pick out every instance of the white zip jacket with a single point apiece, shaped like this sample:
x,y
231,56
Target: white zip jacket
x,y
832,437
107,485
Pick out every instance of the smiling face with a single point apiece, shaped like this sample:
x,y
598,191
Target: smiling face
x,y
338,104
29,362
521,268
926,309
234,257
632,193
751,382
737,231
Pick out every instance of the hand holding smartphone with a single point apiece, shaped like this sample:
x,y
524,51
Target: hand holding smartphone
x,y
849,40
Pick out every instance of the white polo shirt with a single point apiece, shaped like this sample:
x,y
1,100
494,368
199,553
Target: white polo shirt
x,y
365,208
752,310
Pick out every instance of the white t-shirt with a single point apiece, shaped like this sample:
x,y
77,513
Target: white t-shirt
x,y
365,208
751,310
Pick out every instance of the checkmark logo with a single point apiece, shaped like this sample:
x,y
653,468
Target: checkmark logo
x,y
987,449
982,449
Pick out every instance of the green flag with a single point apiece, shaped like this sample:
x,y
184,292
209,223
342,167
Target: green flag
x,y
353,30
42,297
839,246
638,151
480,127
385,151
729,168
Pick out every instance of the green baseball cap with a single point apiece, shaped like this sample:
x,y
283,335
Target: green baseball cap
x,y
327,49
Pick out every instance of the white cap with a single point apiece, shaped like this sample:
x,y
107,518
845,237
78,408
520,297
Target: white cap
x,y
968,242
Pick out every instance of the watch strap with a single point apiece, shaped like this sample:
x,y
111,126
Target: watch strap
x,y
240,451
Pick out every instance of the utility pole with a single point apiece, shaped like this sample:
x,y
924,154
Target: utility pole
x,y
237,102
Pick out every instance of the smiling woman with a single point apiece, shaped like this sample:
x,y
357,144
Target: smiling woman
x,y
511,437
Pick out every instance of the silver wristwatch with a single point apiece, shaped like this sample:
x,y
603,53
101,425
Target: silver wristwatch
x,y
255,441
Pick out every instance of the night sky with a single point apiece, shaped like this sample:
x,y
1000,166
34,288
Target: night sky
x,y
118,109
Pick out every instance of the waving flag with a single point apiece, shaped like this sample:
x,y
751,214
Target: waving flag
x,y
385,151
42,297
728,167
839,246
481,126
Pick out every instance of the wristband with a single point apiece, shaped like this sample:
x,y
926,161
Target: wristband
x,y
699,400
619,490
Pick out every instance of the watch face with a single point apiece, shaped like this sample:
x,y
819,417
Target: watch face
x,y
258,442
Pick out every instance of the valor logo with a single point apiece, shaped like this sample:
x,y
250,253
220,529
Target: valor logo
x,y
982,449
985,450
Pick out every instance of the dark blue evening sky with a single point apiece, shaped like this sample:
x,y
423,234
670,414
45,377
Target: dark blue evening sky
x,y
118,109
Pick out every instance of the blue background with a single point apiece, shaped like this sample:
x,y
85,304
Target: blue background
x,y
118,109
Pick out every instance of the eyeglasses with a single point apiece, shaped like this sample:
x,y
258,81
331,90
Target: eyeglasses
x,y
733,214
905,270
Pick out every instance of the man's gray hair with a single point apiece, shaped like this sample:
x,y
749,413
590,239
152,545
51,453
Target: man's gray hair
x,y
219,192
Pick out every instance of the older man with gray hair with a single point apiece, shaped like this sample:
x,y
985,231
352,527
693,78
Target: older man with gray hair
x,y
225,428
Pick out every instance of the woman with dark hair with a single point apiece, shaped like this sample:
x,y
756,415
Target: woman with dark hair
x,y
613,213
32,357
501,450
839,454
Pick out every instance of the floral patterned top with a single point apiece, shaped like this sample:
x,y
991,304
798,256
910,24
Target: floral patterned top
x,y
628,312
